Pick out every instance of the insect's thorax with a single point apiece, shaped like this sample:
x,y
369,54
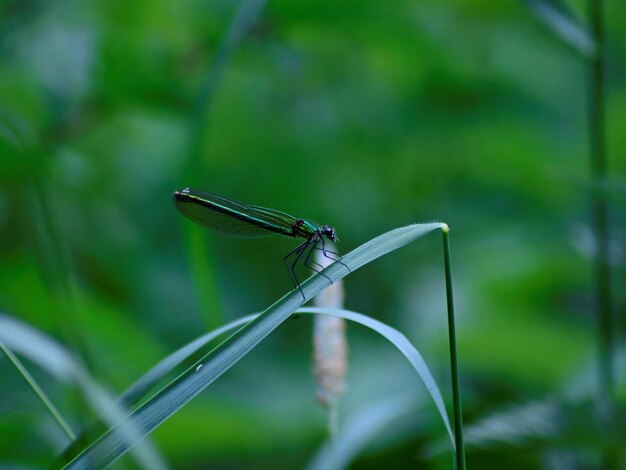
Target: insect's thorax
x,y
304,229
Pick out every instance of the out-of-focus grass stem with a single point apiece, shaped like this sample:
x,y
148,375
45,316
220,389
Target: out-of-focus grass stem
x,y
39,392
600,218
199,253
59,273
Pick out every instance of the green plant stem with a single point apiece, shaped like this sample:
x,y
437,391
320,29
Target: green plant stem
x,y
454,366
600,222
600,218
58,260
199,253
39,392
245,18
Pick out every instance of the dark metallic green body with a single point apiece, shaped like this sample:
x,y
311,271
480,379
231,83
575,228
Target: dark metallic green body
x,y
235,219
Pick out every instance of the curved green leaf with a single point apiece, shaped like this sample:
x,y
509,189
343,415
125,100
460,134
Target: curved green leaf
x,y
157,373
154,375
404,346
179,392
167,365
54,359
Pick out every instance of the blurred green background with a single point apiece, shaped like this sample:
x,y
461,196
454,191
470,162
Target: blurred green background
x,y
364,115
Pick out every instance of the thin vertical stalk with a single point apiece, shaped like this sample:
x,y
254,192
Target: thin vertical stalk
x,y
57,259
39,392
454,366
245,18
600,220
599,203
199,253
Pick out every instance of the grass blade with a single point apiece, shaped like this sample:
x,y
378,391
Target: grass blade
x,y
142,386
404,346
30,380
167,402
167,365
55,360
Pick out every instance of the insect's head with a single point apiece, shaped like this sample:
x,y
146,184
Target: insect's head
x,y
329,233
182,195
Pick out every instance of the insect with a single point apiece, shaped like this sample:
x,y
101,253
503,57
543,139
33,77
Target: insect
x,y
239,220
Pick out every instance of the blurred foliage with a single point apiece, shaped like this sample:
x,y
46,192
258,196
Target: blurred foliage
x,y
366,115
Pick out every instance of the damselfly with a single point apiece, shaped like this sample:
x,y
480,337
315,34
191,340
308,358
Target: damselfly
x,y
246,221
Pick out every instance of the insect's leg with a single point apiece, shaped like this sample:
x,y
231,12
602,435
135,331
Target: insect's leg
x,y
330,257
308,257
327,251
304,246
318,265
298,252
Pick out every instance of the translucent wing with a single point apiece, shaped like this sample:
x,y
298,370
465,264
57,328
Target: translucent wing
x,y
232,218
305,228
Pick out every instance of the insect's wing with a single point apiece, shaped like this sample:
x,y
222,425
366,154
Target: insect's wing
x,y
282,219
226,216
